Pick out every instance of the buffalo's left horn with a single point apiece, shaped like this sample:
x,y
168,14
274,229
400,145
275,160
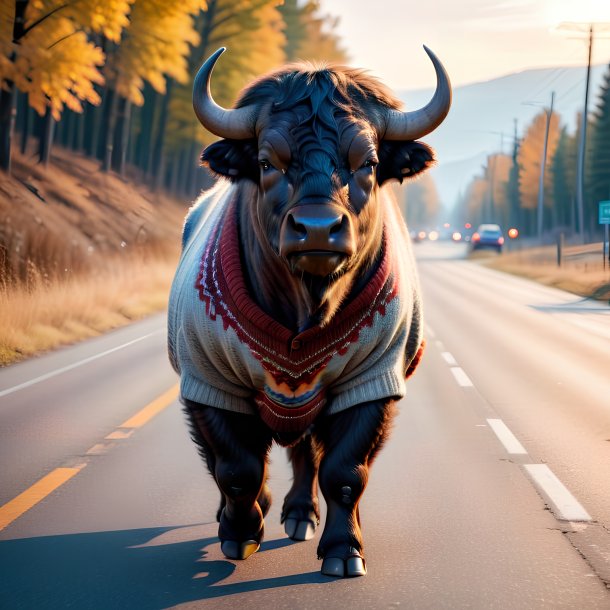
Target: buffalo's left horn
x,y
237,124
418,123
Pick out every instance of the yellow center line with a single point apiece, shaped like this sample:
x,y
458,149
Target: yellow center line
x,y
34,494
56,478
154,408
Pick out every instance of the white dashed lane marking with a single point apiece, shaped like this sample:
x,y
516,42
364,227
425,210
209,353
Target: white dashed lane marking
x,y
449,359
461,377
506,437
562,503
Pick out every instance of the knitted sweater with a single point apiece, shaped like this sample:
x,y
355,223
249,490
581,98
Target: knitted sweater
x,y
232,355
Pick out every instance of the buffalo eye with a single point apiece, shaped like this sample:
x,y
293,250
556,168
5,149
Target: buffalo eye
x,y
265,165
370,163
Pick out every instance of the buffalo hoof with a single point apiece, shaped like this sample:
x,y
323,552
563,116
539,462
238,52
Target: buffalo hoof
x,y
299,530
232,549
353,565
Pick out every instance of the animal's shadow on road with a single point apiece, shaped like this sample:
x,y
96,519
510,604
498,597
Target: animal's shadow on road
x,y
123,570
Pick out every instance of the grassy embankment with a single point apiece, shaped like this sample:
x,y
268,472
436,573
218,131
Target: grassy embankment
x,y
81,252
581,272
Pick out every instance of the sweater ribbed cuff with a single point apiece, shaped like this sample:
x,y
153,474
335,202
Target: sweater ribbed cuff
x,y
197,391
386,385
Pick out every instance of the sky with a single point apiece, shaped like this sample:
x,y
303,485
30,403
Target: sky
x,y
475,39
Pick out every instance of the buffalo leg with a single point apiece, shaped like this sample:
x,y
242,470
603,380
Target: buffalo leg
x,y
349,440
235,448
300,512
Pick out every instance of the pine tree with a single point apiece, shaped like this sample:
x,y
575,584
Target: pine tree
x,y
512,187
563,176
598,167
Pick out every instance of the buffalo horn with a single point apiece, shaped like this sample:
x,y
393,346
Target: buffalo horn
x,y
418,123
237,124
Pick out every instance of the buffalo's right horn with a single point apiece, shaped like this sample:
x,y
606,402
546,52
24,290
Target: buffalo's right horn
x,y
237,124
418,123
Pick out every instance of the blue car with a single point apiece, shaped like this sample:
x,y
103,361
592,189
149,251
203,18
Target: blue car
x,y
487,236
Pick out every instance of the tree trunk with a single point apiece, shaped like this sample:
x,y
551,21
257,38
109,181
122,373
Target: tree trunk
x,y
79,136
8,114
68,135
121,136
109,130
157,163
147,123
46,141
194,169
26,125
8,96
93,120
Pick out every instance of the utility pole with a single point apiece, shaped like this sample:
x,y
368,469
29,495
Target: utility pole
x,y
582,147
580,171
549,114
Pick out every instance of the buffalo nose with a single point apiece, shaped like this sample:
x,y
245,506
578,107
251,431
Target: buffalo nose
x,y
316,227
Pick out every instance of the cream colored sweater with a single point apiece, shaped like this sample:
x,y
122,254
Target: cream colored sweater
x,y
232,355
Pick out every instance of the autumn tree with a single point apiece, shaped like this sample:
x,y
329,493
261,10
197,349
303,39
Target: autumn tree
x,y
530,162
154,47
422,201
310,35
46,53
252,31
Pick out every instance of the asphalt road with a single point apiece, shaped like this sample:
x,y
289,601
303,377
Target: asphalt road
x,y
493,491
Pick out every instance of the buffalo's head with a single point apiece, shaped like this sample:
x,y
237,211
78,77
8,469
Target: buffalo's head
x,y
318,142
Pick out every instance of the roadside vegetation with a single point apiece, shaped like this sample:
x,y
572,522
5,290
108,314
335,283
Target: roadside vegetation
x,y
581,272
81,252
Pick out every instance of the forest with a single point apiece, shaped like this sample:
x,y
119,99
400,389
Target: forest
x,y
508,190
112,79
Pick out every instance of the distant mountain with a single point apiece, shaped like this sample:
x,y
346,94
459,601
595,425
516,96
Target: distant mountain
x,y
482,118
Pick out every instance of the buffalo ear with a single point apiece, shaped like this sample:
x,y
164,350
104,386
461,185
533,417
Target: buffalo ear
x,y
403,160
234,159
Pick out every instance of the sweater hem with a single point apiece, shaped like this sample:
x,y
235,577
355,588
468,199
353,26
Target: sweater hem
x,y
388,385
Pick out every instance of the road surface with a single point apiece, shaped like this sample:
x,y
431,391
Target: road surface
x,y
493,492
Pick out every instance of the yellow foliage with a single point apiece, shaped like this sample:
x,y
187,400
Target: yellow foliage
x,y
156,45
252,31
57,65
7,17
54,62
107,17
530,159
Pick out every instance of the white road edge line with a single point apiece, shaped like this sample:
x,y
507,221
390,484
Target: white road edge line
x,y
449,359
461,377
506,437
65,369
563,504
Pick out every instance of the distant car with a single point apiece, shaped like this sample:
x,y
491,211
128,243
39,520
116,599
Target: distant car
x,y
487,236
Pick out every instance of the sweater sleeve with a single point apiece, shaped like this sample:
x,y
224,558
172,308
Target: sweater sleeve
x,y
377,369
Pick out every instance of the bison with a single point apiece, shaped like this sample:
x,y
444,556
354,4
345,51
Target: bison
x,y
295,314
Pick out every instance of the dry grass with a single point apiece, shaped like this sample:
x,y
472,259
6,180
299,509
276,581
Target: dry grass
x,y
581,272
81,252
44,314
